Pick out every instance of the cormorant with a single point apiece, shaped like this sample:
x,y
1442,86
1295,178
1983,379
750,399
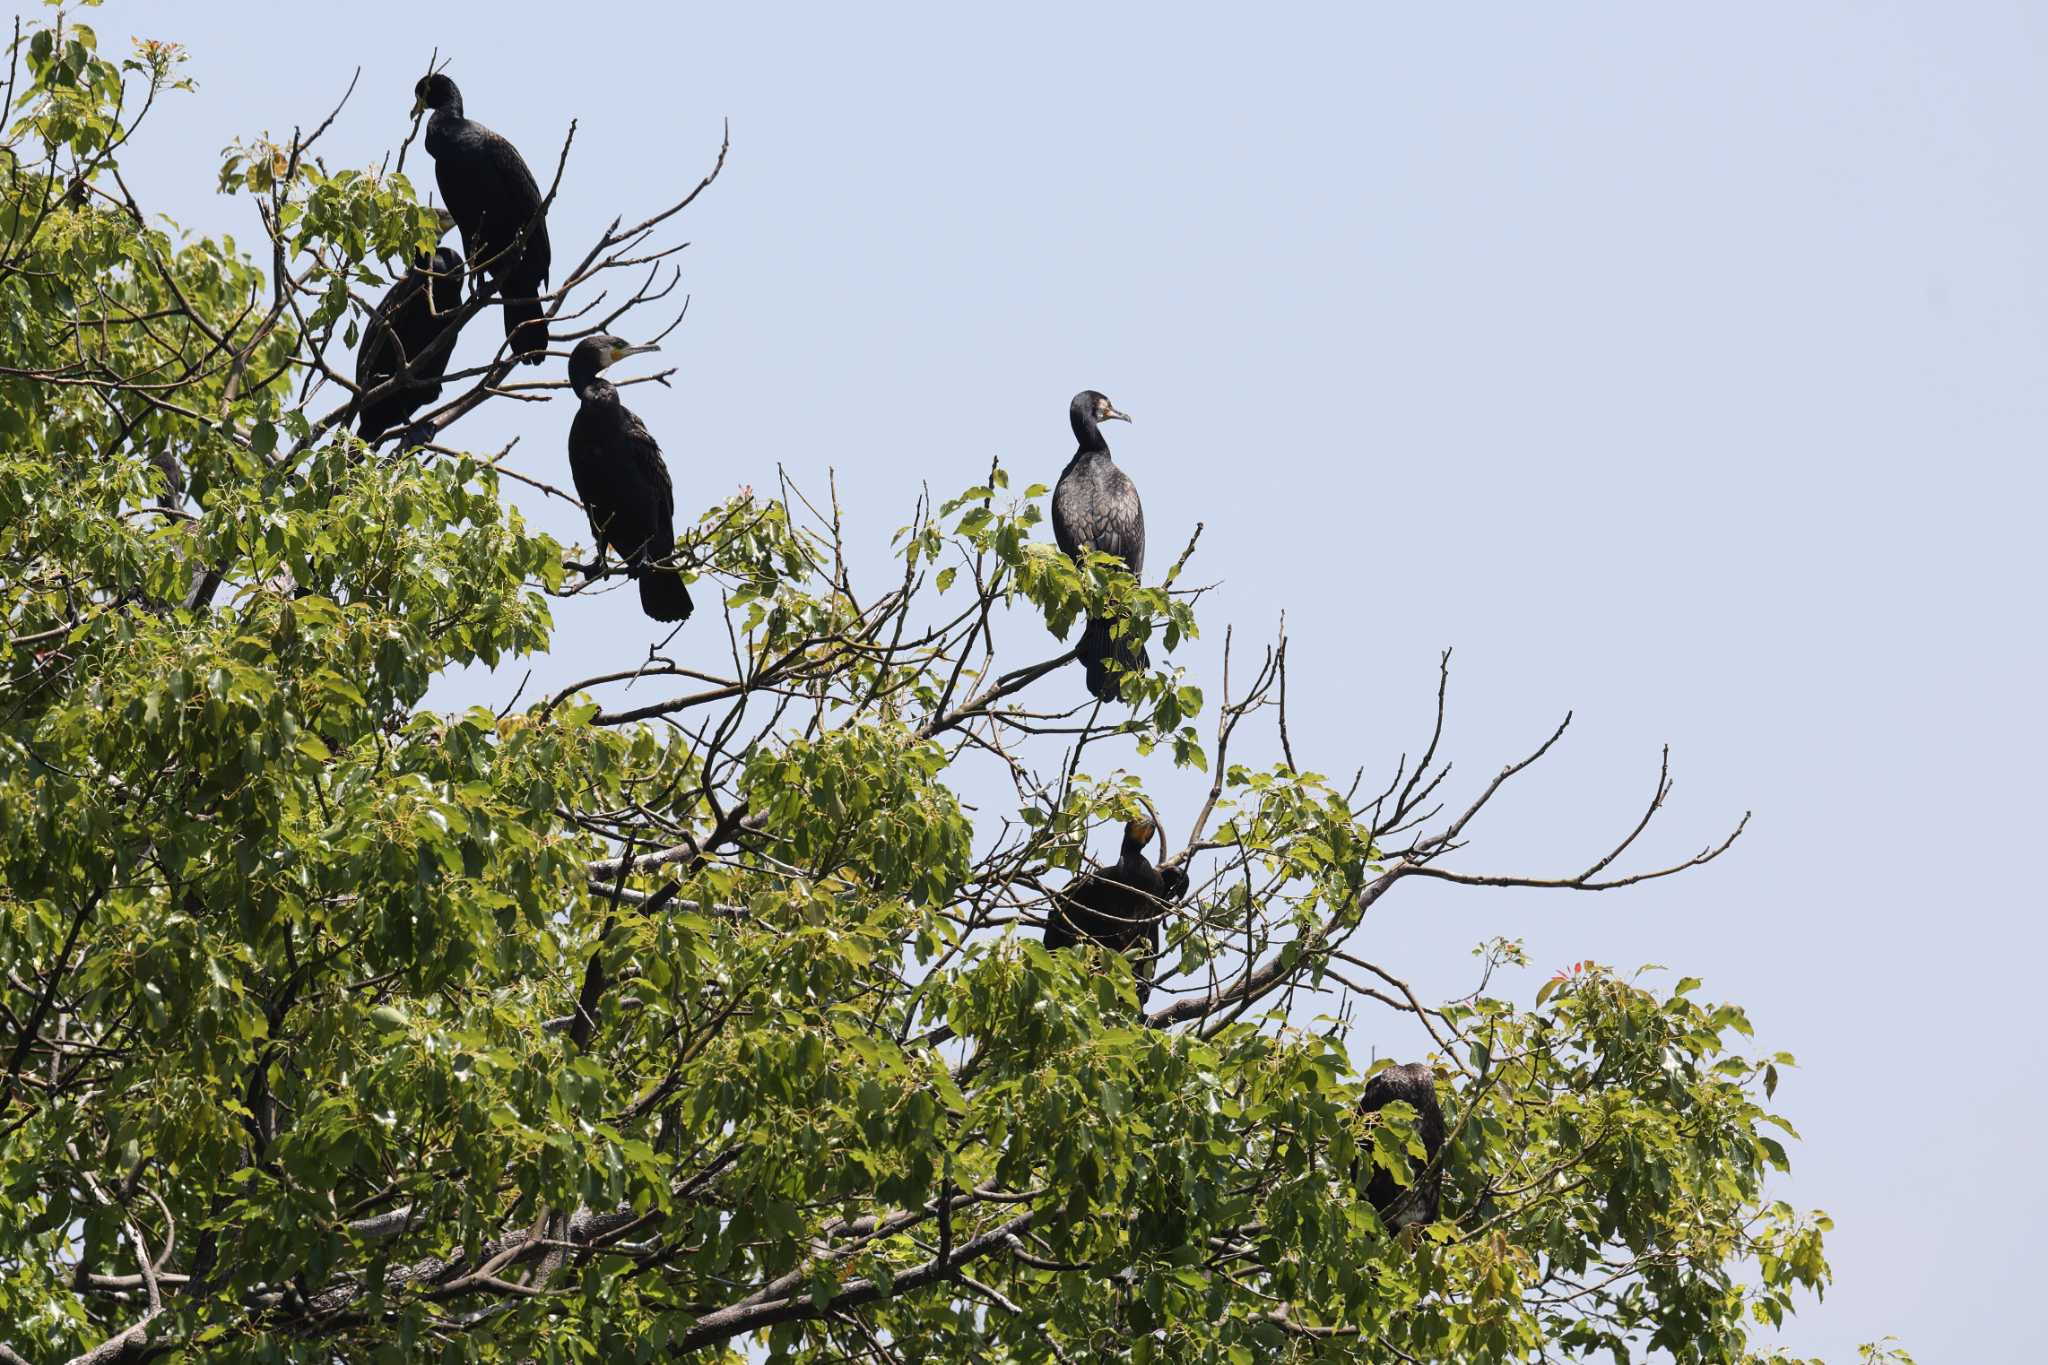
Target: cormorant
x,y
1095,507
1415,1204
1119,907
412,325
494,197
622,480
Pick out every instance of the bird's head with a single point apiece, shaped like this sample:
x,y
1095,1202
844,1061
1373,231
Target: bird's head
x,y
1138,831
606,350
435,92
443,220
445,274
601,352
1096,407
447,260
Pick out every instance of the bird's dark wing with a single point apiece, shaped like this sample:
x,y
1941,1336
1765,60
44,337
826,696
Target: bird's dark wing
x,y
492,194
1071,522
1116,909
1079,911
465,191
587,471
377,356
645,452
1095,506
1120,520
519,200
518,175
401,332
1105,908
1060,931
651,525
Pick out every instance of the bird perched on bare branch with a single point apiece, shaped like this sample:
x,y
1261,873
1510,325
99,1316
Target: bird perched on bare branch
x,y
623,481
1120,907
497,206
1095,507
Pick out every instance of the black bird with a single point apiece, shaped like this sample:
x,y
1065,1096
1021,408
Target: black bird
x,y
494,198
1416,1204
1096,507
1119,907
413,325
622,480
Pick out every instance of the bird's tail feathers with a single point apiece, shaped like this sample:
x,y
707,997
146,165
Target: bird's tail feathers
x,y
1098,649
664,596
526,330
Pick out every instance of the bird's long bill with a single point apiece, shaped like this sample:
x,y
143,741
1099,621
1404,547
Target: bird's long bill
x,y
625,351
418,104
1114,416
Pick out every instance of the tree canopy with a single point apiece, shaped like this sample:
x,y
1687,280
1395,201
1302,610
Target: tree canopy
x,y
340,1027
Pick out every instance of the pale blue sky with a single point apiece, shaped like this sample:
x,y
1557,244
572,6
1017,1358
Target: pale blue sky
x,y
1683,368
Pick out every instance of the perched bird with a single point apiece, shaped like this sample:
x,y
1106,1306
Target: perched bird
x,y
412,326
1415,1204
1120,907
494,198
622,480
1095,507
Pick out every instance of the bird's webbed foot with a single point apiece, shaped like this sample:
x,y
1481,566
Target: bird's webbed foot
x,y
593,571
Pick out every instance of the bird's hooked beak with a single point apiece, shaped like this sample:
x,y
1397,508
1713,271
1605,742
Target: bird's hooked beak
x,y
1114,416
419,105
443,220
621,352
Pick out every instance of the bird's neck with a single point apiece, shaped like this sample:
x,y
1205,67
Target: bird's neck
x,y
1089,434
443,122
1090,460
593,388
1133,856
